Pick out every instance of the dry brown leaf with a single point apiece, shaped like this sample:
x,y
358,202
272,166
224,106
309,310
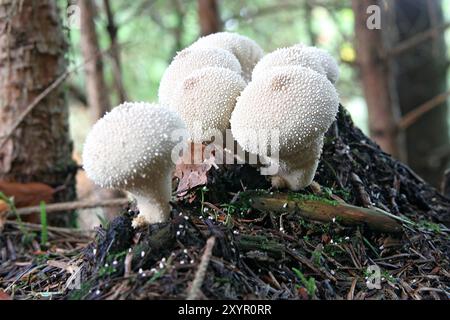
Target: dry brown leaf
x,y
27,194
192,175
4,295
3,206
3,214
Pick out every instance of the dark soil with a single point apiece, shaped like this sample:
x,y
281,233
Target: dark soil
x,y
257,254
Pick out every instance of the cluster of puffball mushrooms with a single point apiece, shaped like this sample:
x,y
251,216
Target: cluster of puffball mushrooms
x,y
221,81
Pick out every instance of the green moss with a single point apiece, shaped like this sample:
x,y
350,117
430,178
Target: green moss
x,y
333,251
430,226
222,280
292,196
317,257
342,193
309,284
81,293
156,276
388,276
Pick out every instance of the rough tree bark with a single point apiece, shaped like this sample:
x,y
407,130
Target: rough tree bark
x,y
97,94
32,48
209,17
420,75
375,80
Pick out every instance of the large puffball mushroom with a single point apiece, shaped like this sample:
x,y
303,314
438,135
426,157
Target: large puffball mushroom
x,y
296,104
205,100
191,59
299,55
130,149
246,50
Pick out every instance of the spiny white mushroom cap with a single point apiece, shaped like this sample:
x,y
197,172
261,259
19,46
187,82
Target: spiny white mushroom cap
x,y
329,63
191,59
130,148
298,102
129,143
299,55
206,99
291,56
246,50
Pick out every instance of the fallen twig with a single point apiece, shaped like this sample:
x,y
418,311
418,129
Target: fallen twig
x,y
75,205
196,285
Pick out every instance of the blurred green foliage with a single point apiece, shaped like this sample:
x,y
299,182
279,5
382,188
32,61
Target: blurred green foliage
x,y
152,31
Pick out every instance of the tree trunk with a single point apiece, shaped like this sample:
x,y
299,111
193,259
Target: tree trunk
x,y
209,18
375,80
32,48
97,93
178,29
420,74
115,53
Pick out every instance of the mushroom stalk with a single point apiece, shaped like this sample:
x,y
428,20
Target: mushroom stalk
x,y
298,172
131,148
153,201
295,179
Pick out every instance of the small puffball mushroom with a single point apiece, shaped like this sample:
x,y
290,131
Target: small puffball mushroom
x,y
130,148
205,100
299,105
328,62
191,59
299,55
246,50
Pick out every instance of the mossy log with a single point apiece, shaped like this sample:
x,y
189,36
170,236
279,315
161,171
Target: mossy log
x,y
327,211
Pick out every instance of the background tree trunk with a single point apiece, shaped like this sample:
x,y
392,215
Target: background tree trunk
x,y
375,80
96,89
97,93
420,75
32,48
115,53
209,17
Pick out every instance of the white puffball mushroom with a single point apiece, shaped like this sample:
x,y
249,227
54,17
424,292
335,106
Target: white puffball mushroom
x,y
191,59
205,100
130,148
246,50
300,55
296,103
329,63
297,170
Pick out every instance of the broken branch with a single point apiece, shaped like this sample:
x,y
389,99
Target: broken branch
x,y
69,206
323,211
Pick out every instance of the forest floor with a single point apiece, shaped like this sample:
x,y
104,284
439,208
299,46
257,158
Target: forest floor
x,y
235,238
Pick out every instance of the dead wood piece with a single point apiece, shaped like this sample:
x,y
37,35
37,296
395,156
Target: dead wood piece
x,y
328,212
